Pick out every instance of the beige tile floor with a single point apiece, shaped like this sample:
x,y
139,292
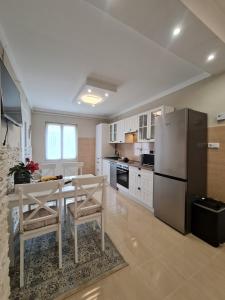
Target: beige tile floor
x,y
163,264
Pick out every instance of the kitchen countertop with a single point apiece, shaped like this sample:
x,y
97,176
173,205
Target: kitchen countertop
x,y
132,163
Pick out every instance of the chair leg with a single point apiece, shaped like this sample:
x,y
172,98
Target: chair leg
x,y
103,233
21,261
57,236
65,209
75,243
60,246
69,228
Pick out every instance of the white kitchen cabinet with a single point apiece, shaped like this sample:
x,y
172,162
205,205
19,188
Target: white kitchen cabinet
x,y
141,186
131,124
132,181
147,187
113,132
103,147
144,126
120,138
106,169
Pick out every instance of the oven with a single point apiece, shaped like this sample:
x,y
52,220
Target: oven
x,y
123,175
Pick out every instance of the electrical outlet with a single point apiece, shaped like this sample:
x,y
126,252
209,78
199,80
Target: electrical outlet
x,y
213,145
220,117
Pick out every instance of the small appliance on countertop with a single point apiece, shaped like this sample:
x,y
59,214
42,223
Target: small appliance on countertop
x,y
148,159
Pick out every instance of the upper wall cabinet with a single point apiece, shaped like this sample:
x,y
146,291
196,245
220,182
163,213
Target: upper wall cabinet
x,y
113,133
120,138
143,124
131,124
144,127
146,123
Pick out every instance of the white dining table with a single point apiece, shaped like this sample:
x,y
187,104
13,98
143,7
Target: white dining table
x,y
13,202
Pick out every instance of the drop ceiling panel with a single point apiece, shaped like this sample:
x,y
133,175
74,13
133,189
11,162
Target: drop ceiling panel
x,y
58,44
156,20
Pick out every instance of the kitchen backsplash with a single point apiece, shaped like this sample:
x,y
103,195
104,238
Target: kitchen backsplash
x,y
133,151
216,163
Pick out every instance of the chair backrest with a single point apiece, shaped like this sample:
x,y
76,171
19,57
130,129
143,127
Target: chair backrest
x,y
39,194
48,169
91,187
72,168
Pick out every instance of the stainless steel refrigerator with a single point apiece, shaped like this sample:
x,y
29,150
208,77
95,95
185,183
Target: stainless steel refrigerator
x,y
180,166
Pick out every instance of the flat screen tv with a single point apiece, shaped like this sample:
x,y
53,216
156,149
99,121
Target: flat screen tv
x,y
10,97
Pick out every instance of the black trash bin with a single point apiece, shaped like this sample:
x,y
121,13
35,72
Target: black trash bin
x,y
208,220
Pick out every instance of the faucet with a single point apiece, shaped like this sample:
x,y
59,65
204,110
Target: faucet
x,y
117,153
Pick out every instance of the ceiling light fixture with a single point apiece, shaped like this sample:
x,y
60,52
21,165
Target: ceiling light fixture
x,y
91,99
94,92
211,57
176,31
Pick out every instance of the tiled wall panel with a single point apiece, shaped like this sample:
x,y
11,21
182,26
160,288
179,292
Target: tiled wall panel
x,y
86,153
216,163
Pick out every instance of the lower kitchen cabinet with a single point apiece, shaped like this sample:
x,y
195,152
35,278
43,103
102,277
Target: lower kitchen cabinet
x,y
106,169
147,187
141,185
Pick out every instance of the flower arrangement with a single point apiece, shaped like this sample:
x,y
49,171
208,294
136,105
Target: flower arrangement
x,y
31,165
23,172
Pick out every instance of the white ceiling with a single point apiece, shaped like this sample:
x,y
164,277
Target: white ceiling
x,y
57,44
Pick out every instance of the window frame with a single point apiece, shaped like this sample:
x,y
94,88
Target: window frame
x,y
61,142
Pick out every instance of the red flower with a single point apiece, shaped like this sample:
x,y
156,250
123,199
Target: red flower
x,y
32,166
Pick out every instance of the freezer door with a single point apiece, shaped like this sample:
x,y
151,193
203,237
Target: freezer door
x,y
169,201
171,144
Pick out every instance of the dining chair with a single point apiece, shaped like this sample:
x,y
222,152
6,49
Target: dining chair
x,y
71,169
89,209
41,220
48,169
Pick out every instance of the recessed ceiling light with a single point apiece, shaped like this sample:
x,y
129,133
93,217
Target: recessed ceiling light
x,y
176,31
211,57
79,102
89,90
106,94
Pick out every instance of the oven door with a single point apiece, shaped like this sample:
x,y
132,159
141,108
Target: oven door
x,y
123,177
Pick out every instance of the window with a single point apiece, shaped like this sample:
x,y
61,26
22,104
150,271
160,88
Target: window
x,y
61,141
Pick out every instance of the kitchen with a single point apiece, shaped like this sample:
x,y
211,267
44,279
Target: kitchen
x,y
171,168
119,112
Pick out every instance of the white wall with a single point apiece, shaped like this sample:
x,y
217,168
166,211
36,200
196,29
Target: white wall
x,y
207,96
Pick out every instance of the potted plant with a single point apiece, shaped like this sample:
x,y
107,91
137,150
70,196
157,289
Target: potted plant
x,y
23,172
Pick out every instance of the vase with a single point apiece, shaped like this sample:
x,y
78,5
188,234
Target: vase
x,y
20,178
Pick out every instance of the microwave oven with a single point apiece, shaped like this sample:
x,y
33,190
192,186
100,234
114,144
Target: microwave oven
x,y
148,159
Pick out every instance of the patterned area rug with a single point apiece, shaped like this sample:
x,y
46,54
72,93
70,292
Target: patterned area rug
x,y
44,280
